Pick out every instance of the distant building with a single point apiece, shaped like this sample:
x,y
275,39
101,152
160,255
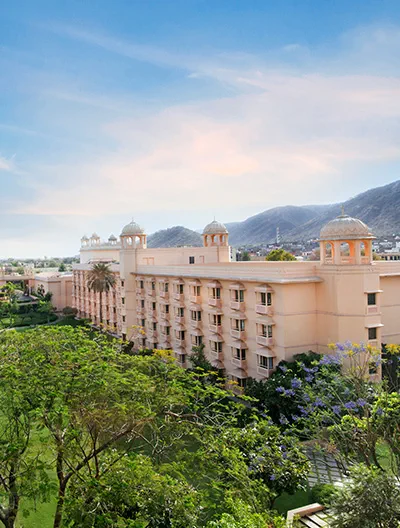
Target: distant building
x,y
249,315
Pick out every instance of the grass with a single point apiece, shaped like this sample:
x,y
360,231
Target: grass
x,y
71,321
287,502
34,318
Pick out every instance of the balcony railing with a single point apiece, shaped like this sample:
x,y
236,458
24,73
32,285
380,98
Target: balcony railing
x,y
164,295
265,341
263,309
240,363
237,305
195,324
196,299
262,371
177,296
373,309
212,301
179,320
238,334
151,293
165,316
139,291
217,329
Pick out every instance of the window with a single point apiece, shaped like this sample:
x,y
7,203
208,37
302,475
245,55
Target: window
x,y
181,358
180,289
180,312
142,303
167,308
114,310
266,362
216,293
191,260
196,291
123,318
238,295
216,346
197,340
123,300
153,306
240,381
166,286
122,283
141,284
154,326
155,346
144,342
153,285
217,319
371,299
266,330
143,322
266,298
239,325
180,334
195,315
239,353
372,333
167,331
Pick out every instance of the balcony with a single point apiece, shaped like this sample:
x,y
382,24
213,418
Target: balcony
x,y
178,296
212,301
373,343
372,310
196,299
237,305
151,334
238,334
195,324
240,363
140,309
179,320
165,316
151,293
263,309
179,343
264,372
164,295
217,329
265,341
139,291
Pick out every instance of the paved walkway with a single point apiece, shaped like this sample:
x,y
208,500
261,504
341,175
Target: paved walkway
x,y
325,469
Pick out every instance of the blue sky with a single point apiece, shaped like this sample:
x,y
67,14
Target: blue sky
x,y
173,111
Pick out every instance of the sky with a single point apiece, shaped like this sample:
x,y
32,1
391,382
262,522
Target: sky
x,y
172,112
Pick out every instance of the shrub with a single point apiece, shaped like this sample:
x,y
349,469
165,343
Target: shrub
x,y
322,493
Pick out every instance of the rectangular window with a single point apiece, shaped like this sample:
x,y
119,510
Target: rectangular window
x,y
191,260
180,334
239,325
195,315
167,308
144,342
154,326
196,291
239,353
182,358
266,362
153,286
122,283
123,300
143,322
238,295
217,319
166,286
123,318
197,340
372,333
180,312
371,299
216,293
269,298
153,305
269,330
167,330
141,285
240,381
180,289
216,346
142,303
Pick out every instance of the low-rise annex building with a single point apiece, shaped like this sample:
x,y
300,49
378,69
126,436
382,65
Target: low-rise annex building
x,y
248,315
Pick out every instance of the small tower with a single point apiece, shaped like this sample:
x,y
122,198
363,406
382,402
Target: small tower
x,y
133,236
95,240
215,234
84,241
346,241
112,239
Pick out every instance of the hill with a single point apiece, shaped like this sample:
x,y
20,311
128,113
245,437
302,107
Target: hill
x,y
174,236
379,208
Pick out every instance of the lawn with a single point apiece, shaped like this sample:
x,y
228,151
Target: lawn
x,y
287,502
33,318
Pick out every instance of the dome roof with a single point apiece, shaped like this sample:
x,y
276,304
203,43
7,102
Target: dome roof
x,y
84,237
95,235
345,227
215,228
112,238
132,229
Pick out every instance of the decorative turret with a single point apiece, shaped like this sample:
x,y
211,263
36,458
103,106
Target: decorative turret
x,y
94,239
84,241
133,236
215,234
346,240
112,239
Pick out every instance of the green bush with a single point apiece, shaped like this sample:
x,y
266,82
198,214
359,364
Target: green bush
x,y
322,493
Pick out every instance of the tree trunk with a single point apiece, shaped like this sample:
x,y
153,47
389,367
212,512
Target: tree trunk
x,y
101,310
13,498
60,506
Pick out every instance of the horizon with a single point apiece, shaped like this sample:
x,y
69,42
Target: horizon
x,y
178,112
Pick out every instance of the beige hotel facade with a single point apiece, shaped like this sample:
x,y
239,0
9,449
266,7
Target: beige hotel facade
x,y
248,315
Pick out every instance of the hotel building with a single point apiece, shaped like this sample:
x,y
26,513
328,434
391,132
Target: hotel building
x,y
248,315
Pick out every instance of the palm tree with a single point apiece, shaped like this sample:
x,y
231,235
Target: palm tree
x,y
101,279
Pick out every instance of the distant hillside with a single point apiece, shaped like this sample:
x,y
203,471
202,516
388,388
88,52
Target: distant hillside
x,y
261,228
174,236
379,208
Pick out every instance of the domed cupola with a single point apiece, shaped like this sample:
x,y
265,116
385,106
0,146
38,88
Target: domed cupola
x,y
215,234
112,239
84,241
133,236
346,240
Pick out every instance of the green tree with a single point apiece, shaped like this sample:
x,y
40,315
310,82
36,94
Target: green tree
x,y
371,499
62,267
101,279
245,256
240,515
279,255
46,308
